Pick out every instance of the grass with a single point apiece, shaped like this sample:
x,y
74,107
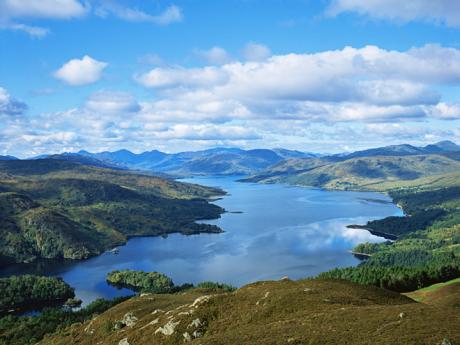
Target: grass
x,y
439,285
270,313
423,294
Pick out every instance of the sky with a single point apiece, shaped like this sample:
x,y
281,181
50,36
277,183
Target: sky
x,y
313,75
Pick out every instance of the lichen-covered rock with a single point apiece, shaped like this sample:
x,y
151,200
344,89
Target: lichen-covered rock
x,y
129,319
195,323
200,300
187,337
124,342
169,328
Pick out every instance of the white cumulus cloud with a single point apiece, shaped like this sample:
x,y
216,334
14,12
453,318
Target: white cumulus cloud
x,y
182,77
13,10
446,111
81,71
351,84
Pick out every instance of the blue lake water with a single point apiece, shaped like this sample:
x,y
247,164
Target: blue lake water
x,y
281,231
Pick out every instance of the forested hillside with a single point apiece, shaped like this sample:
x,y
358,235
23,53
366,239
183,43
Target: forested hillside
x,y
62,209
427,249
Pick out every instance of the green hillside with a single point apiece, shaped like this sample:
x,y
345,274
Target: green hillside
x,y
61,209
363,173
427,249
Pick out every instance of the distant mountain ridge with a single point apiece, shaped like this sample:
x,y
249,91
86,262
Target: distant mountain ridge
x,y
368,169
445,146
236,161
8,158
216,161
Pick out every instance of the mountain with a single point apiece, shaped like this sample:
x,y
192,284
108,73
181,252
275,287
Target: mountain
x,y
442,147
392,150
286,154
406,150
216,161
312,311
8,158
53,208
235,161
82,159
359,173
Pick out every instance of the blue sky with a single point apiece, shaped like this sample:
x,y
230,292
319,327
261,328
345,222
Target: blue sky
x,y
323,76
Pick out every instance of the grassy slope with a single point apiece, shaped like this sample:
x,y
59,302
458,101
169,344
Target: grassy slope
x,y
436,291
61,209
282,312
365,173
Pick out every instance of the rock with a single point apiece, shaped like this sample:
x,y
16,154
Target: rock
x,y
402,315
129,320
446,341
123,342
195,323
200,300
169,328
156,311
88,328
265,297
285,278
118,325
187,337
307,289
197,334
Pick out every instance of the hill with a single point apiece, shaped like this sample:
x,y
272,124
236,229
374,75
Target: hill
x,y
441,147
62,209
361,173
7,158
442,294
271,312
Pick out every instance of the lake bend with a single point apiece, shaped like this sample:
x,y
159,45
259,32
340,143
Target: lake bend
x,y
271,231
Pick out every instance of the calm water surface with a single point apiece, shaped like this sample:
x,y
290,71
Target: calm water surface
x,y
276,231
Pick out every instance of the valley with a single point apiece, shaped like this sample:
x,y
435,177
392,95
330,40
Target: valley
x,y
305,231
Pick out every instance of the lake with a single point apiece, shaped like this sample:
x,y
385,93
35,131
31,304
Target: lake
x,y
271,231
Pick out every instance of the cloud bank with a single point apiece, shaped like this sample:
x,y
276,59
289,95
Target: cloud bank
x,y
351,84
319,100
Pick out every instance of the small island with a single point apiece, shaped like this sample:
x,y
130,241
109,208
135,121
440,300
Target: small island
x,y
158,283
